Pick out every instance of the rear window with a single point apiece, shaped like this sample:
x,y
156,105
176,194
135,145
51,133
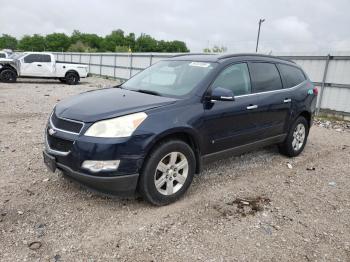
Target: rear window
x,y
291,75
265,77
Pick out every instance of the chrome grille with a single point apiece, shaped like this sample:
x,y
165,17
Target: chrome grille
x,y
66,125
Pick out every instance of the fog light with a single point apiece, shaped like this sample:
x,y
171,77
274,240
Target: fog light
x,y
98,166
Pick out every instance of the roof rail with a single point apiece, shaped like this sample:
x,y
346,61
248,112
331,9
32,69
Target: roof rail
x,y
250,54
187,54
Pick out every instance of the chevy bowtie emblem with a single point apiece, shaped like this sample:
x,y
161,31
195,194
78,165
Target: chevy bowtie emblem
x,y
52,131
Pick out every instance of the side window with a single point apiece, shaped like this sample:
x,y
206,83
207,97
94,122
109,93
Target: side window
x,y
235,78
291,75
31,58
2,55
45,58
265,77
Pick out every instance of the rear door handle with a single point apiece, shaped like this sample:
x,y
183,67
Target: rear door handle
x,y
252,107
38,65
287,100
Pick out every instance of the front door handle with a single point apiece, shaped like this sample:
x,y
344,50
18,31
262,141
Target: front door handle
x,y
252,107
287,100
38,65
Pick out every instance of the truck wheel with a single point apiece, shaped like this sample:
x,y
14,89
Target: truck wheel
x,y
167,173
62,80
72,78
8,76
296,138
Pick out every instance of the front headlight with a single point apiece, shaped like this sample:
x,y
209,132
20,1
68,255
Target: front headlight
x,y
122,126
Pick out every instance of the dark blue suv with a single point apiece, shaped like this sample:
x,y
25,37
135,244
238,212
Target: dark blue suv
x,y
155,131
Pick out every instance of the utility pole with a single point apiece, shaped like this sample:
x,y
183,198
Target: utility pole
x,y
257,40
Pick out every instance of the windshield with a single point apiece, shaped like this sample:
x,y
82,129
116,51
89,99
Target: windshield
x,y
16,55
169,78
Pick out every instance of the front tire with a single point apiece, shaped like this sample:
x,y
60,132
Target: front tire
x,y
8,76
72,78
296,139
167,173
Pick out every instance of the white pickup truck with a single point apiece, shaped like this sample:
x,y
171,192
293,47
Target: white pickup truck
x,y
3,54
40,65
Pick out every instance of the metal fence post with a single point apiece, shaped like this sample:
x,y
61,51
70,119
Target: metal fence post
x,y
80,58
130,65
100,64
319,104
90,63
150,59
115,65
71,57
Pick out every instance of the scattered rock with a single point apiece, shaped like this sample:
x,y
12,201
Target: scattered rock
x,y
310,168
46,179
35,245
332,183
289,165
20,212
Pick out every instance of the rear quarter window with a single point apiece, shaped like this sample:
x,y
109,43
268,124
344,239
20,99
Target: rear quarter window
x,y
265,77
2,55
291,75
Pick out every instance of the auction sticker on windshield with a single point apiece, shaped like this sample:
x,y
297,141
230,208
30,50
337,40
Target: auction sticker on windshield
x,y
199,64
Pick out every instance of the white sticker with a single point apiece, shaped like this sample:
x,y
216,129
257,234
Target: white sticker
x,y
199,64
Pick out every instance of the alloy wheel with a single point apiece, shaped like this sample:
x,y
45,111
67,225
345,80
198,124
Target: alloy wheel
x,y
171,173
299,135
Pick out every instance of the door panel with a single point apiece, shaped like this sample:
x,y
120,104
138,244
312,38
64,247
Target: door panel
x,y
273,113
274,102
37,65
229,124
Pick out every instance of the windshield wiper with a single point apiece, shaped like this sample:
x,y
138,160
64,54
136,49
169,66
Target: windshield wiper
x,y
148,92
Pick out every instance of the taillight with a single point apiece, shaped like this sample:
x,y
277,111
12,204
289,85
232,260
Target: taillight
x,y
315,91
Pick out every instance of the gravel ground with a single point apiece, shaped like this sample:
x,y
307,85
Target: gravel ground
x,y
258,206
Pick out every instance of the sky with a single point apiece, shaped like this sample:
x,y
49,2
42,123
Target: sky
x,y
294,26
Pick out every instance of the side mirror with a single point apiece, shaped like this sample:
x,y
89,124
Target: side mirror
x,y
221,94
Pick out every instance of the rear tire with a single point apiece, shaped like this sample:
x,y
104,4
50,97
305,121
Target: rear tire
x,y
72,78
296,139
167,173
8,76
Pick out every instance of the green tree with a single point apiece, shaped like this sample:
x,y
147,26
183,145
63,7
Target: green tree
x,y
215,49
93,41
32,43
116,38
146,43
8,42
121,49
57,42
116,41
80,47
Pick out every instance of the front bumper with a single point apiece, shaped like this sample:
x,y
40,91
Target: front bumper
x,y
116,185
68,149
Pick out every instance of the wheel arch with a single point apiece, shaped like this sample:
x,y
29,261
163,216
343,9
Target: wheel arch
x,y
307,115
72,71
9,67
184,134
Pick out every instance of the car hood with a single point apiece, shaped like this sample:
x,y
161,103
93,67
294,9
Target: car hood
x,y
107,103
5,60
